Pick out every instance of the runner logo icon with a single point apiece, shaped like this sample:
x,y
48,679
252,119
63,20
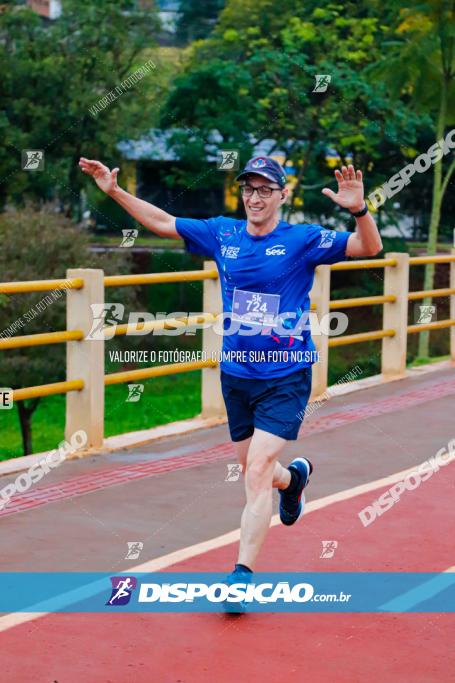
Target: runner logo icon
x,y
122,587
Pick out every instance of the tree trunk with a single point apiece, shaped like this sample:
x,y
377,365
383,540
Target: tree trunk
x,y
25,419
74,208
424,337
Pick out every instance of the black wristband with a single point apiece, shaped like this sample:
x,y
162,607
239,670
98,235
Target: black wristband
x,y
361,213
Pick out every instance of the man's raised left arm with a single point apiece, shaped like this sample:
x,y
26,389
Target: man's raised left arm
x,y
366,240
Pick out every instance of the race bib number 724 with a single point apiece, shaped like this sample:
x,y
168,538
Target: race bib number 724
x,y
255,307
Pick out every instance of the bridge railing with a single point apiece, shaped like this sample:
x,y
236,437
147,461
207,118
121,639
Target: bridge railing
x,y
85,376
395,299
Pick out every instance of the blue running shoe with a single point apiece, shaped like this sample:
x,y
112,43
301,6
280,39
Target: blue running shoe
x,y
236,577
292,504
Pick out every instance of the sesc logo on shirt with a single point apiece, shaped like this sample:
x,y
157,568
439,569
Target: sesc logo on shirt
x,y
276,250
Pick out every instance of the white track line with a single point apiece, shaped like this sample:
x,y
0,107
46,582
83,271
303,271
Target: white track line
x,y
16,618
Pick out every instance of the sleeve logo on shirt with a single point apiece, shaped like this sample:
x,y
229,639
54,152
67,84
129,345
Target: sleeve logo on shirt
x,y
327,238
276,250
229,252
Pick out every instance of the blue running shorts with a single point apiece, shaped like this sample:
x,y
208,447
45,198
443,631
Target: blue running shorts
x,y
275,405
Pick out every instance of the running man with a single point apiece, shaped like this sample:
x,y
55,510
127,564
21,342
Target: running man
x,y
266,269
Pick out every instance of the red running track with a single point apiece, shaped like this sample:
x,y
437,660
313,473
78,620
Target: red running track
x,y
415,535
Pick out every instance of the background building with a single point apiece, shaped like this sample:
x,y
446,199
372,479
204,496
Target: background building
x,y
51,9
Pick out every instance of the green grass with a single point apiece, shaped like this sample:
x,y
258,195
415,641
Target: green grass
x,y
424,361
165,399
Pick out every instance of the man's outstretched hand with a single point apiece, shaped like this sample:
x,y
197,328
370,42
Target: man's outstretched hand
x,y
104,178
350,189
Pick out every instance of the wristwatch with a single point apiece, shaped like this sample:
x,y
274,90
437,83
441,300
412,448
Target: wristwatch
x,y
361,213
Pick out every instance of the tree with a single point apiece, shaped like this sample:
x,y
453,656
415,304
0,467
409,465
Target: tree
x,y
253,79
420,64
53,76
37,246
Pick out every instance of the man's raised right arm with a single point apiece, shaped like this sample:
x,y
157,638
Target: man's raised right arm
x,y
158,221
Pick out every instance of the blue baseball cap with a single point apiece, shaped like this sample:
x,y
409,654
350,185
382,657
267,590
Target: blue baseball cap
x,y
266,167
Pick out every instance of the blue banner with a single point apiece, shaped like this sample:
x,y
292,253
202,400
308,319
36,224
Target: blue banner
x,y
161,592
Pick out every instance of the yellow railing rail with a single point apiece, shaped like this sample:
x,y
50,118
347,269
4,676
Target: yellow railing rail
x,y
360,337
109,281
382,263
433,293
156,371
157,278
41,339
40,286
437,325
169,324
48,389
335,304
187,276
366,263
112,378
192,275
437,258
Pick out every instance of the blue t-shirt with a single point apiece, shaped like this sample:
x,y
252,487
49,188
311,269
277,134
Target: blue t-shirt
x,y
263,277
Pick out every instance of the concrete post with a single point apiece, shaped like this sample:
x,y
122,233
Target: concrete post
x,y
212,398
320,296
452,308
85,359
395,317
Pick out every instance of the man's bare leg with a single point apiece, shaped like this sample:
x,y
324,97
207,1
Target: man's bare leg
x,y
281,475
262,471
241,450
